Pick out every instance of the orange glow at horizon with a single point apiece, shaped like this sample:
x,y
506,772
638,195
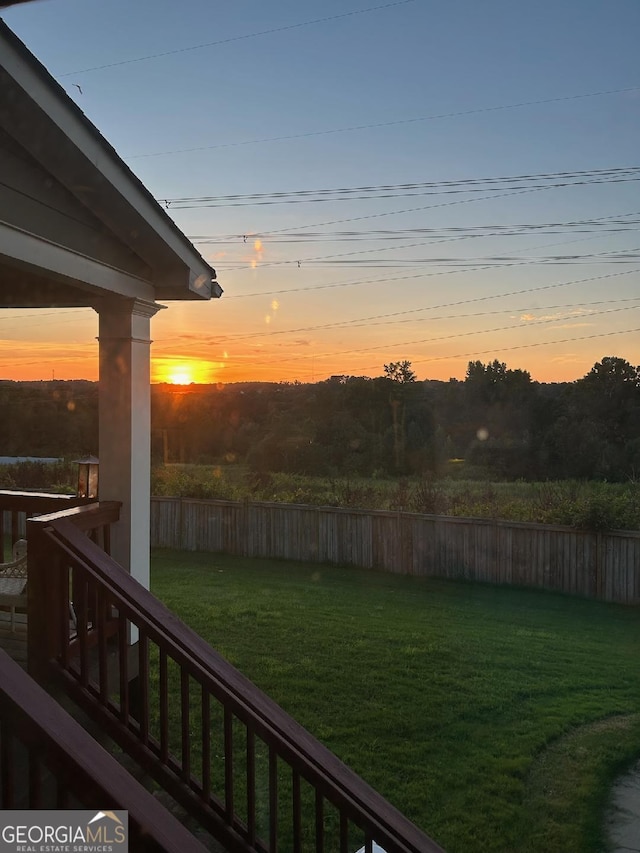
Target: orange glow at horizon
x,y
199,357
184,371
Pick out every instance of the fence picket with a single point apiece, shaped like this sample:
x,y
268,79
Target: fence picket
x,y
603,565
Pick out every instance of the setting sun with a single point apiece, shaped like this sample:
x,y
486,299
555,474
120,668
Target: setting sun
x,y
184,371
180,376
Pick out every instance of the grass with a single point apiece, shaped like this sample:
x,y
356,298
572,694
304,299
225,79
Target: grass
x,y
494,718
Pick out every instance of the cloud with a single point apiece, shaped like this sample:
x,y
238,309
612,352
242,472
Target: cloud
x,y
566,358
573,325
557,315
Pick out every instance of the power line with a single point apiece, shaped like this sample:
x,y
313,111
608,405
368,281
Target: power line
x,y
528,346
267,234
472,301
361,324
410,185
465,185
359,282
455,336
394,213
356,282
324,258
433,117
390,235
501,311
610,223
495,350
231,39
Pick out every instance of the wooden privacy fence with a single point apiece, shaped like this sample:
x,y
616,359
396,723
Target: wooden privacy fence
x,y
603,565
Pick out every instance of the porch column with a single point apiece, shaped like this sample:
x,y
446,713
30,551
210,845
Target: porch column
x,y
124,423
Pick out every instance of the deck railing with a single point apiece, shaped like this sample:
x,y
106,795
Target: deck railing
x,y
47,601
250,775
16,507
48,761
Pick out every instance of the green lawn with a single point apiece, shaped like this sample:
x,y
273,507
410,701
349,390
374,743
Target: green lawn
x,y
494,718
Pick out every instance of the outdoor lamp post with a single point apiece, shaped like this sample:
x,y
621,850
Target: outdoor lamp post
x,y
88,477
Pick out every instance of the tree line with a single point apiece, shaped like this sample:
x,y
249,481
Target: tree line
x,y
500,422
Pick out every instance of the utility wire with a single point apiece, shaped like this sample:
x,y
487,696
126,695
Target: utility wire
x,y
528,346
510,328
493,351
411,185
433,117
521,310
397,212
460,262
465,185
237,38
494,230
478,231
267,234
455,304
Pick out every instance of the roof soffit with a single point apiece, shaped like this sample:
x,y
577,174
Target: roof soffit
x,y
39,115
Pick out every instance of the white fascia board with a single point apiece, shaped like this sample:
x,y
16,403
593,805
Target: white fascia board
x,y
88,140
55,261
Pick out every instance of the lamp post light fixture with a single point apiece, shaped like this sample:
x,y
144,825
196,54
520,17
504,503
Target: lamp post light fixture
x,y
88,477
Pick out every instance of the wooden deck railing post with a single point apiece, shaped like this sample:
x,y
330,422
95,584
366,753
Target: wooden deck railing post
x,y
44,602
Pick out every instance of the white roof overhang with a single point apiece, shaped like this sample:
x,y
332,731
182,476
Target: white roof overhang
x,y
41,118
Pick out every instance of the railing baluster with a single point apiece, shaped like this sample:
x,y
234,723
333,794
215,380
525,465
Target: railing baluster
x,y
103,659
184,719
82,629
65,621
6,765
206,744
320,822
15,527
251,786
297,812
273,799
344,833
228,763
143,677
63,797
106,538
35,781
164,707
123,667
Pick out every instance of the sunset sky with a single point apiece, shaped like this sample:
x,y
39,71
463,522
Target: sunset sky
x,y
456,180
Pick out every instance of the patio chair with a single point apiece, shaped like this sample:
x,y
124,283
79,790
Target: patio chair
x,y
13,580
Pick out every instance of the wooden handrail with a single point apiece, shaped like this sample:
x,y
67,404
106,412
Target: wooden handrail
x,y
87,516
163,637
22,505
81,767
37,501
